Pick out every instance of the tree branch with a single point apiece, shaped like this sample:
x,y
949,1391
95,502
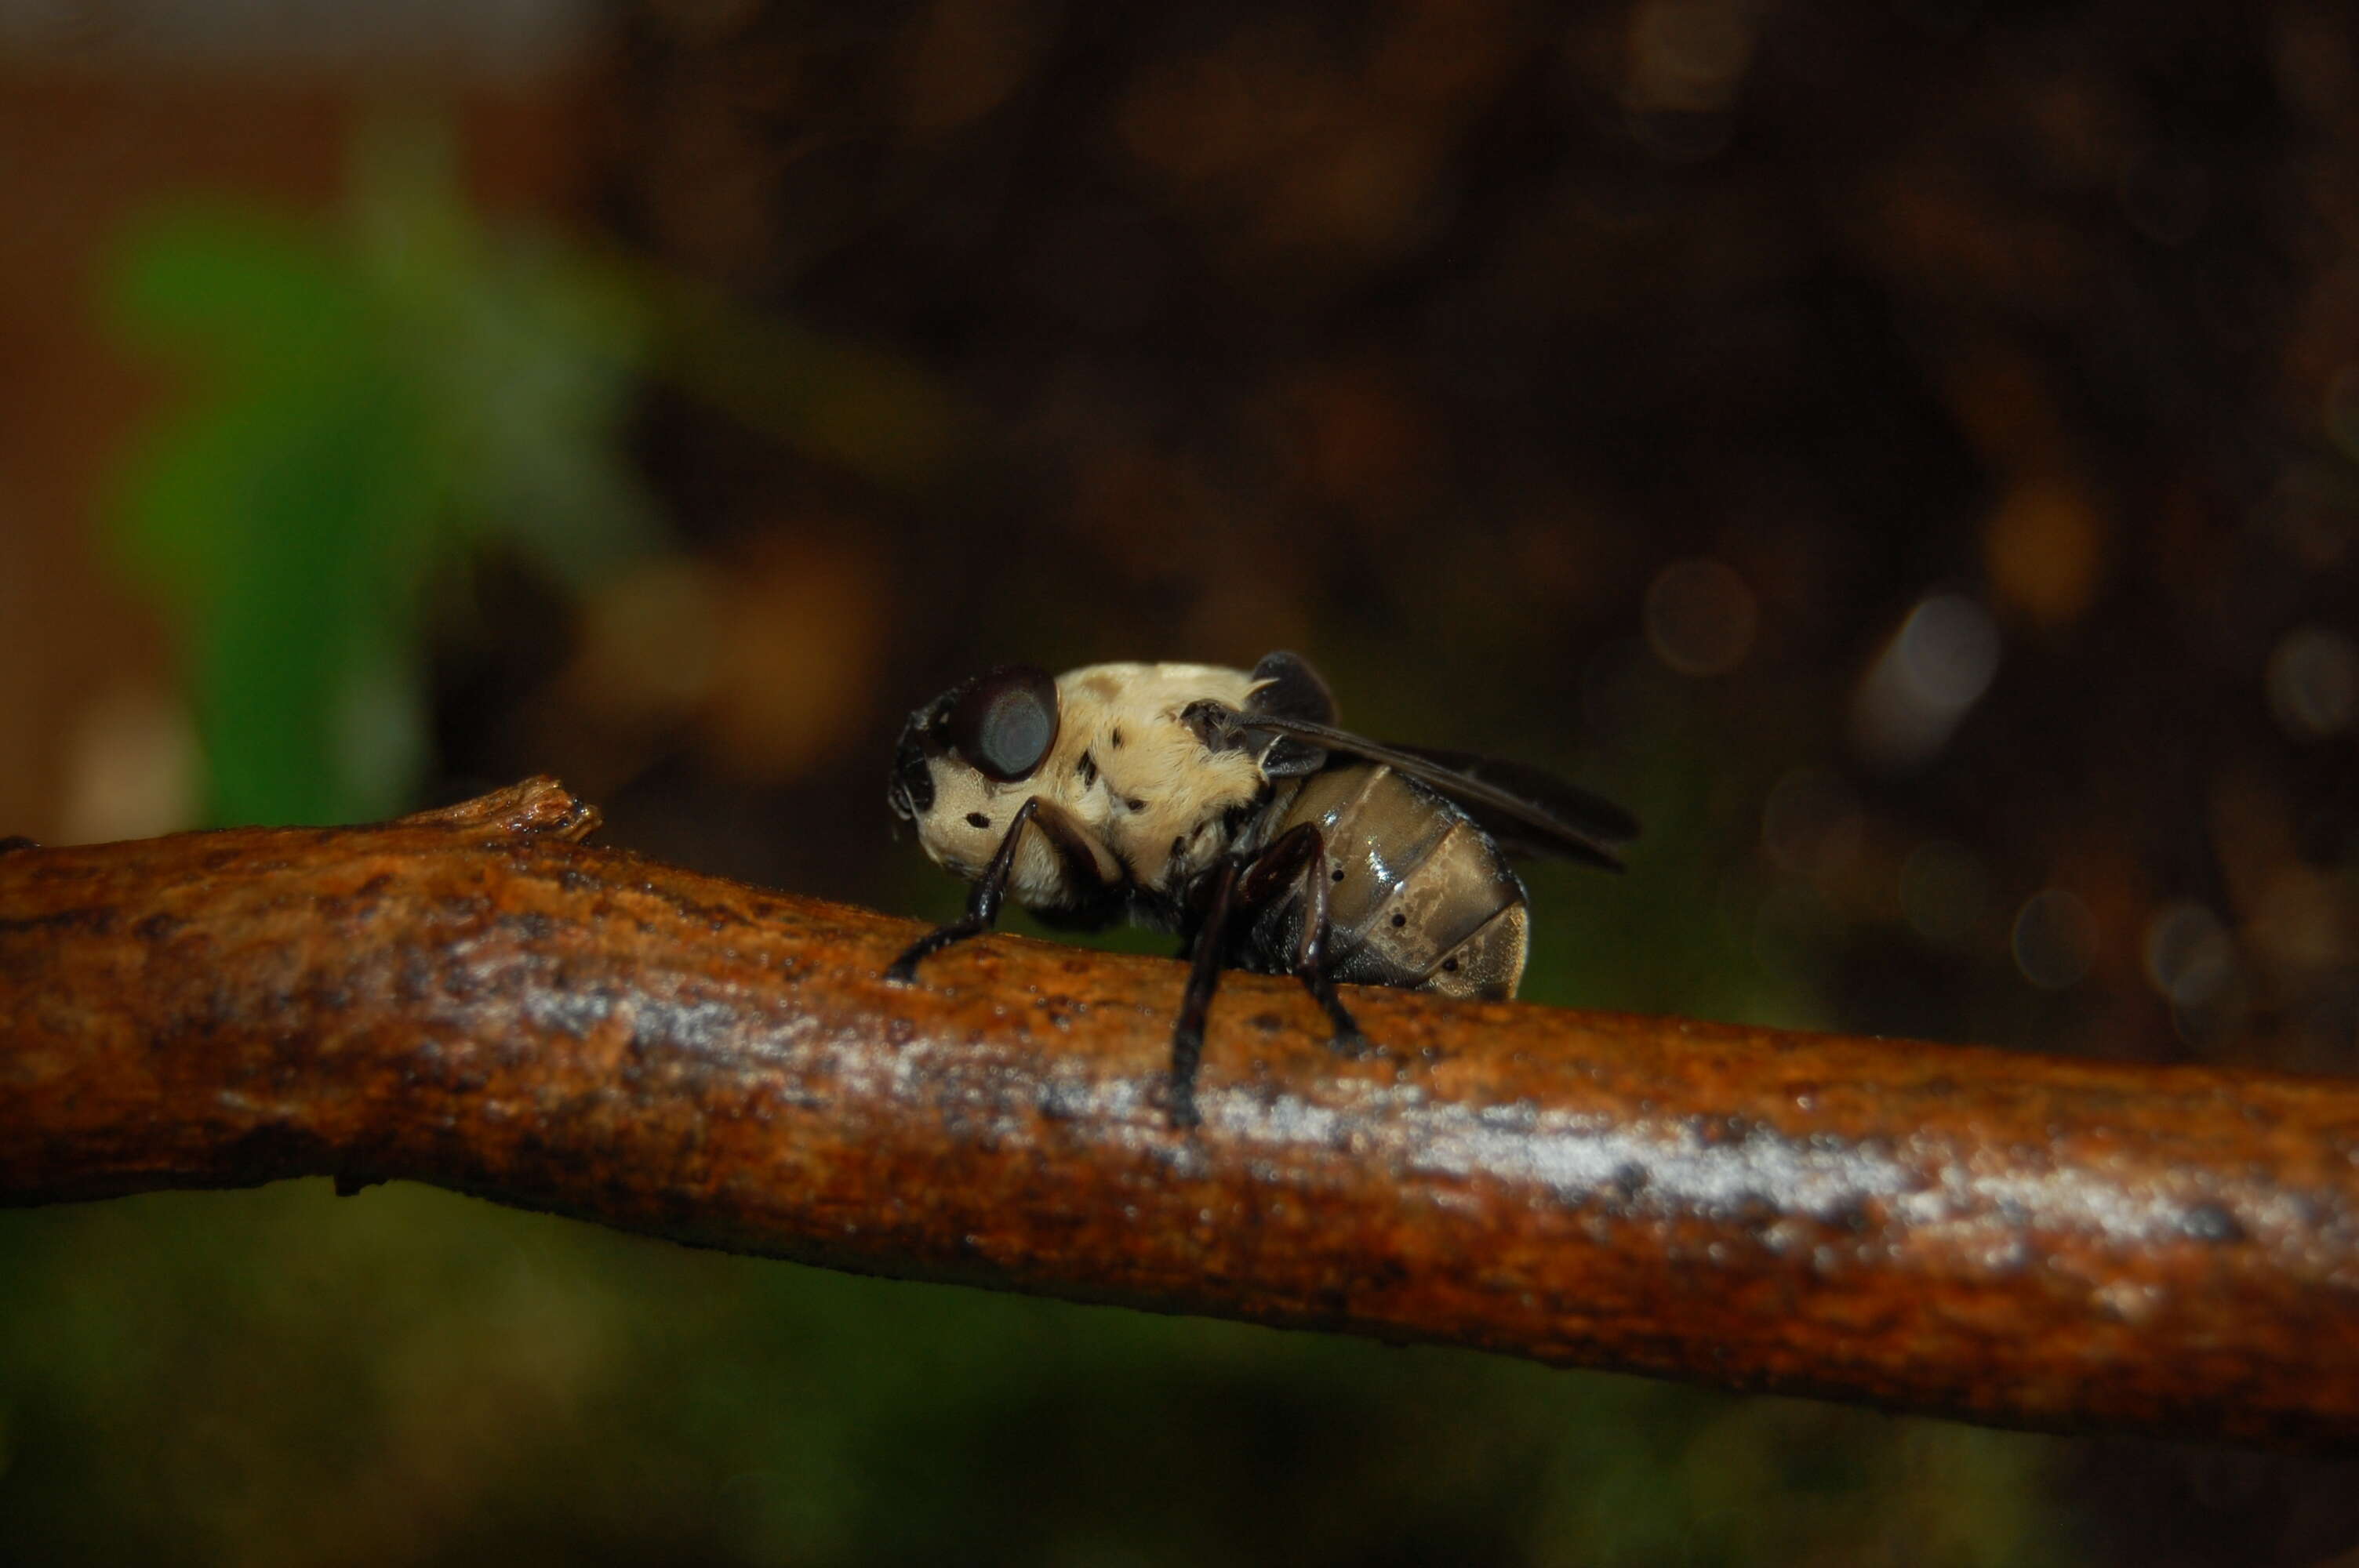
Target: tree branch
x,y
472,997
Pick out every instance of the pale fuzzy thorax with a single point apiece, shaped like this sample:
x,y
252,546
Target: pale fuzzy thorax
x,y
1158,787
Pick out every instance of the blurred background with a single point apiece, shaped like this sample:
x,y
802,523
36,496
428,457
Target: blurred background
x,y
1907,452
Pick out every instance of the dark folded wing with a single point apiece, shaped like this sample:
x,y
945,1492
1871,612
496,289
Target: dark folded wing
x,y
1525,810
1591,815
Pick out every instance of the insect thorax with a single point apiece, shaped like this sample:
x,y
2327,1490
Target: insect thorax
x,y
1139,786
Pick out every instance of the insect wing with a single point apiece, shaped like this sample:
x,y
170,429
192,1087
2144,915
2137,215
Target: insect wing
x,y
1591,815
1522,807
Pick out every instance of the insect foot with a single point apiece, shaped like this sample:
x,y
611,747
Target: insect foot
x,y
1178,1101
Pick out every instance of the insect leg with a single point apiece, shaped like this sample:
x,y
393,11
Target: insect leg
x,y
1296,861
981,904
1299,855
1203,978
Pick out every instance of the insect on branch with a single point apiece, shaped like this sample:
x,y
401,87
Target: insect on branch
x,y
475,999
1295,846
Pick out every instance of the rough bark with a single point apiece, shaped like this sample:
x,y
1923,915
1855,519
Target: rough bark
x,y
473,997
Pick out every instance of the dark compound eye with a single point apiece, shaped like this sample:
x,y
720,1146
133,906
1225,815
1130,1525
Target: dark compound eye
x,y
1005,722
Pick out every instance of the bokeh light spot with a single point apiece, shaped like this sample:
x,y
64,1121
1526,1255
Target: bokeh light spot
x,y
2045,550
1934,668
1689,55
2313,681
2189,957
1700,617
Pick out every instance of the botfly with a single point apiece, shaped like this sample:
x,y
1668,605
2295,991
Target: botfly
x,y
1225,805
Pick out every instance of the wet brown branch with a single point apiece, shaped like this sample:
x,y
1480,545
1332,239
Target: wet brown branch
x,y
476,999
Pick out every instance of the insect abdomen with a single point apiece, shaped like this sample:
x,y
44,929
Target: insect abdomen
x,y
1418,895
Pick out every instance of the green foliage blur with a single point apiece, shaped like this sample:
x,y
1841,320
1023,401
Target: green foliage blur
x,y
376,406
290,1377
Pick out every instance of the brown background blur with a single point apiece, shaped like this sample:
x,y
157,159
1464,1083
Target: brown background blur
x,y
1909,453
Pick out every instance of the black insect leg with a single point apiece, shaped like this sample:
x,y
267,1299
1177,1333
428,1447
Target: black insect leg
x,y
1311,963
1299,855
1196,1002
981,904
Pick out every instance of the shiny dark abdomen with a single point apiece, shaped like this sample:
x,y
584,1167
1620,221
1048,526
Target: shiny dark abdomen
x,y
1418,895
